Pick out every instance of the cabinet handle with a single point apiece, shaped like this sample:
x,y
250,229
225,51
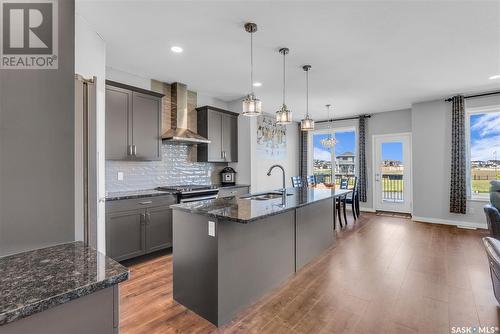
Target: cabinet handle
x,y
134,150
145,202
148,218
129,150
143,219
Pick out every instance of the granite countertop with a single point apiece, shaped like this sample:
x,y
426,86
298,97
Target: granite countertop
x,y
132,194
229,186
34,281
245,210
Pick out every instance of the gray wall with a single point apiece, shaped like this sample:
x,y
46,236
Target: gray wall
x,y
431,128
36,149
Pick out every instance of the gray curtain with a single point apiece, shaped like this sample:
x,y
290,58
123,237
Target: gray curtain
x,y
303,153
362,159
458,192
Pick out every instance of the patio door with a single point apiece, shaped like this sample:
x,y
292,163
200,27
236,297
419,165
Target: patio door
x,y
392,172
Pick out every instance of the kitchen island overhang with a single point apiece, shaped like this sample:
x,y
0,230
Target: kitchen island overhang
x,y
228,253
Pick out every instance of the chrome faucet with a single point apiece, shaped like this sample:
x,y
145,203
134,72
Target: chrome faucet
x,y
283,170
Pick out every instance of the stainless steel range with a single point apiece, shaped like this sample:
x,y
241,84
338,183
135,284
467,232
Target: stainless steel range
x,y
192,193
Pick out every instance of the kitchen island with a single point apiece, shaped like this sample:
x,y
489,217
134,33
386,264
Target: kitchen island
x,y
67,288
229,252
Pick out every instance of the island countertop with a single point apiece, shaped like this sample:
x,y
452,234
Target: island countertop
x,y
245,210
34,281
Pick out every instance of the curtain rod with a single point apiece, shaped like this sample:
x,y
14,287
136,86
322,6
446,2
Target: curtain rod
x,y
477,95
344,118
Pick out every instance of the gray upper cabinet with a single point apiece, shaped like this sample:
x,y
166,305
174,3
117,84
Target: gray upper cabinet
x,y
133,123
221,128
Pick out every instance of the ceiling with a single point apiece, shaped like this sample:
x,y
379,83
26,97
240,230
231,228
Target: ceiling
x,y
366,56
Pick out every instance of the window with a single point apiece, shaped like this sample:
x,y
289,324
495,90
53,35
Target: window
x,y
343,155
483,142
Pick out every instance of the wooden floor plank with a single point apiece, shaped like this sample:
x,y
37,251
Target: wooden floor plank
x,y
386,274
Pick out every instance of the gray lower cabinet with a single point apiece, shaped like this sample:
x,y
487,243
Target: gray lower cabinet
x,y
125,237
133,123
221,128
136,227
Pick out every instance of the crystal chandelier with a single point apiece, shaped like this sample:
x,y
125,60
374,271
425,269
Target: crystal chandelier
x,y
307,124
252,106
330,141
283,115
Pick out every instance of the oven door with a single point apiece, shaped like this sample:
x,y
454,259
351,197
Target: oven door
x,y
186,198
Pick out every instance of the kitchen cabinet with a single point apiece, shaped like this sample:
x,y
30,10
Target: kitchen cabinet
x,y
221,128
133,123
136,227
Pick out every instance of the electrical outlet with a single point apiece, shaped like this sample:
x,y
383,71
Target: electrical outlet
x,y
120,176
211,228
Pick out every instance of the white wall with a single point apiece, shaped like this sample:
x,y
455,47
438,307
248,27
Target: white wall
x,y
90,61
127,78
252,169
431,129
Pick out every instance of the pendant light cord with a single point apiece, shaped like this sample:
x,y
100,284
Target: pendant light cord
x,y
284,77
251,62
307,94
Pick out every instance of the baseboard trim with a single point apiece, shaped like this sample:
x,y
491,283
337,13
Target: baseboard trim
x,y
460,224
367,209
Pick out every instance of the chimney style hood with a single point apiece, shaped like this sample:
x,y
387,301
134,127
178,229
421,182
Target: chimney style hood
x,y
179,131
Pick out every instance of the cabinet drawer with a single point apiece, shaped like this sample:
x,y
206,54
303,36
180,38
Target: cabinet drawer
x,y
138,203
236,191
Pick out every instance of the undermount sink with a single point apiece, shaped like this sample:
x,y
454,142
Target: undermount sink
x,y
267,196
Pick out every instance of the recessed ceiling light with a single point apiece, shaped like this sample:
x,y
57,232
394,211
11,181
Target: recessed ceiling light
x,y
257,84
493,77
176,49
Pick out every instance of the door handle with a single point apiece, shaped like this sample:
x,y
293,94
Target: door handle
x,y
377,177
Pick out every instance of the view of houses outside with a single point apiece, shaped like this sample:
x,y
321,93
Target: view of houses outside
x,y
344,162
484,150
392,171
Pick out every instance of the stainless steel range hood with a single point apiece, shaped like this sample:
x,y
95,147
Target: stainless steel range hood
x,y
179,131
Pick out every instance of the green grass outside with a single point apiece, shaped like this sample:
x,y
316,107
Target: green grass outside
x,y
481,186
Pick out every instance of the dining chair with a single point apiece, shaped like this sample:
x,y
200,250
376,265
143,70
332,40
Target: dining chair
x,y
297,181
344,184
353,198
311,180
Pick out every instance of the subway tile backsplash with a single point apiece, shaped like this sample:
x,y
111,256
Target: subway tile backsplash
x,y
177,167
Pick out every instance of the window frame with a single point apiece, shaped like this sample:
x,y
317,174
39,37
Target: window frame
x,y
326,130
469,111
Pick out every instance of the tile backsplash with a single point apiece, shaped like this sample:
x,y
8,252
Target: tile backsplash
x,y
177,167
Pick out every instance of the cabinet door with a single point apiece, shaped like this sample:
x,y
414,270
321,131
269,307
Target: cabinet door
x,y
146,127
125,235
118,109
230,138
158,228
214,120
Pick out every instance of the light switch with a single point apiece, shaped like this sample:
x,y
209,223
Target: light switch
x,y
211,228
120,176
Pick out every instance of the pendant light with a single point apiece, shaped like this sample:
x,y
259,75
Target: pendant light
x,y
252,106
331,141
283,115
307,124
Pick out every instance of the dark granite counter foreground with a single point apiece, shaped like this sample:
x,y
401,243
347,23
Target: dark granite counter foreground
x,y
34,281
244,210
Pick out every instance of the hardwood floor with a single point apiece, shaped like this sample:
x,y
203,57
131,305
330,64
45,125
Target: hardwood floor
x,y
385,275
